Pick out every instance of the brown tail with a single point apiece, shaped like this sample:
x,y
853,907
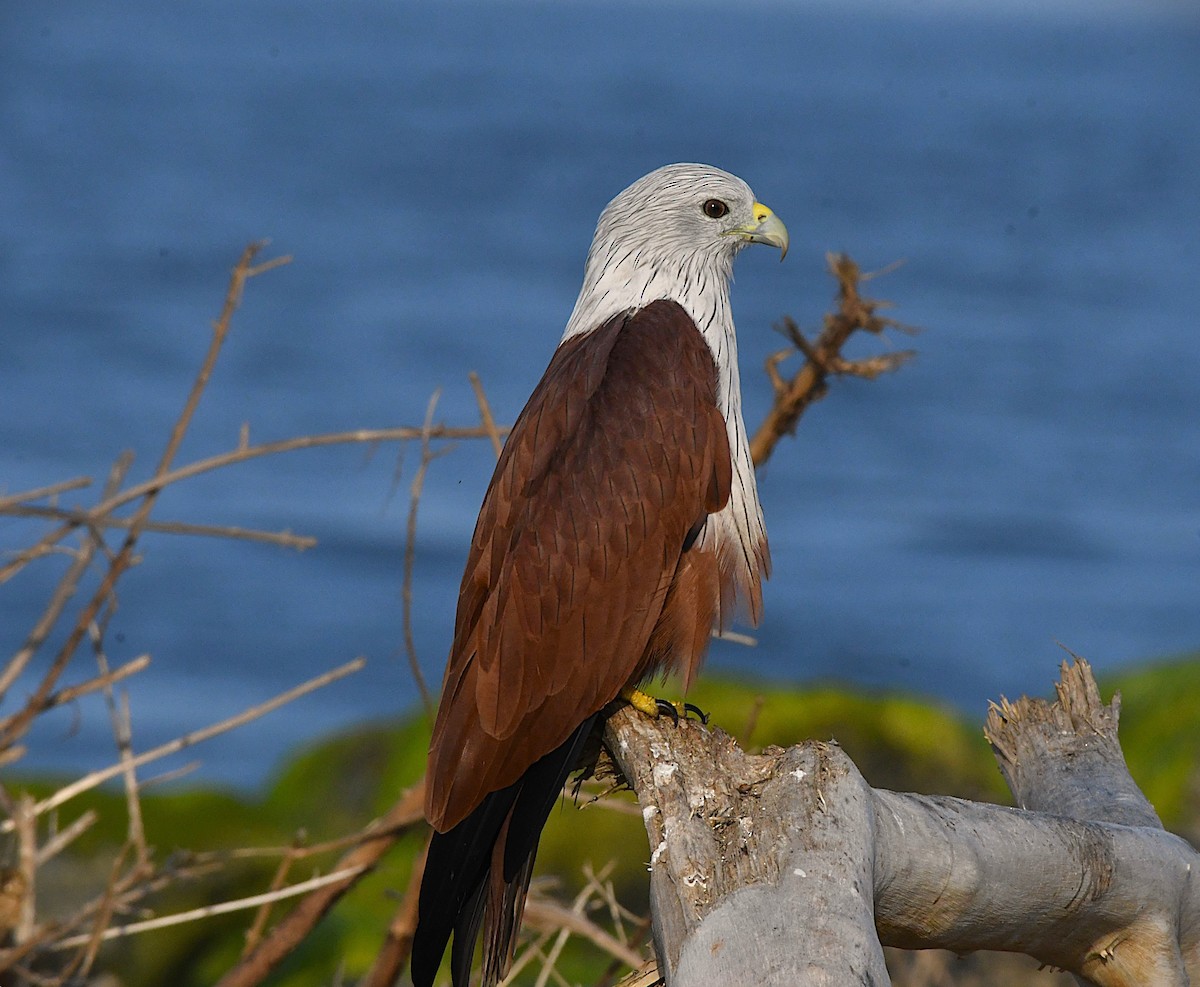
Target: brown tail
x,y
477,874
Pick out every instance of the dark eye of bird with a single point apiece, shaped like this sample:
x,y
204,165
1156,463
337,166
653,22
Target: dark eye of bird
x,y
714,208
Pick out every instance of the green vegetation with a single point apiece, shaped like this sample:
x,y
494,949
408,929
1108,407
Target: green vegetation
x,y
334,787
1160,734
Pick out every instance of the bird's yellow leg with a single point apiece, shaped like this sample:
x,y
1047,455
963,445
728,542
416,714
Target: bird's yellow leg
x,y
643,702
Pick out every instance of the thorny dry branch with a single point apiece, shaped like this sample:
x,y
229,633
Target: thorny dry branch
x,y
53,952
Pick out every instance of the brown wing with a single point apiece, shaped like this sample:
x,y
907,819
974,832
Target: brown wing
x,y
620,450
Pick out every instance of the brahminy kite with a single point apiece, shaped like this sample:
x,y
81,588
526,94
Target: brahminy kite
x,y
621,525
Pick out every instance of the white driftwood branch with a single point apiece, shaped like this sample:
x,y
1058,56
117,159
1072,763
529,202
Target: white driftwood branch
x,y
787,868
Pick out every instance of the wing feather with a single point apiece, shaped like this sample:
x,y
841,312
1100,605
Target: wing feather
x,y
619,452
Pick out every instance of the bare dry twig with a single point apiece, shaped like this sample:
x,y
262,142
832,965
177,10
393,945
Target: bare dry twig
x,y
221,908
793,397
243,453
495,433
95,778
83,517
376,840
62,595
41,493
546,914
133,874
255,932
142,878
64,838
560,923
15,725
118,674
428,455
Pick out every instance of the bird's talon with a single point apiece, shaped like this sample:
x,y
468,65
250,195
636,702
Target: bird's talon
x,y
671,710
652,706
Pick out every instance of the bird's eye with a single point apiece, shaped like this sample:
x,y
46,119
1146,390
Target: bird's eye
x,y
714,208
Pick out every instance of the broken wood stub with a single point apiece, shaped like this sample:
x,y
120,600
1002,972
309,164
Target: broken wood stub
x,y
1064,757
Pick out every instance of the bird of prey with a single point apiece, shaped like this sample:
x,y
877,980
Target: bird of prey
x,y
622,523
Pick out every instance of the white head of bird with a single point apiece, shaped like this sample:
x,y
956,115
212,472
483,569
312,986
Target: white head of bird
x,y
673,234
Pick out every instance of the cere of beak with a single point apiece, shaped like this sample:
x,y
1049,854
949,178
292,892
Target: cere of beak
x,y
766,228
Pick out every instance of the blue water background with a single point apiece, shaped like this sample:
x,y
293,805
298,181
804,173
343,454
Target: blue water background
x,y
436,170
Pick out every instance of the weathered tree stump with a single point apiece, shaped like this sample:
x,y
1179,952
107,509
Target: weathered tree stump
x,y
786,867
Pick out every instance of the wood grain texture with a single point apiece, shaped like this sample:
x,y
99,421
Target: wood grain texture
x,y
757,869
1065,756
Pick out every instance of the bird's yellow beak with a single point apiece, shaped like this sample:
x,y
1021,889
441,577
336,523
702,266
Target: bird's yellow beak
x,y
766,228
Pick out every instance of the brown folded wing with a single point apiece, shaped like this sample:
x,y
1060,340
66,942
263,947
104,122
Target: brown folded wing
x,y
577,583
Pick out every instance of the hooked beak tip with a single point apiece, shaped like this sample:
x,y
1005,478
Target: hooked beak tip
x,y
768,229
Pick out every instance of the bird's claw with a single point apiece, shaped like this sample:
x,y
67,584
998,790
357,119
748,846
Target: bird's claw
x,y
675,710
652,706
